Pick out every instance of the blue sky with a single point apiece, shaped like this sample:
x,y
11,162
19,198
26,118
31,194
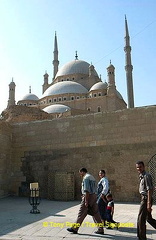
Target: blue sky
x,y
94,28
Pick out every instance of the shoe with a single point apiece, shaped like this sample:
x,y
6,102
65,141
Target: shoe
x,y
72,230
118,225
99,232
109,228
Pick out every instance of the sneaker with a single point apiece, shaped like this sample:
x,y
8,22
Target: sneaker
x,y
99,232
71,230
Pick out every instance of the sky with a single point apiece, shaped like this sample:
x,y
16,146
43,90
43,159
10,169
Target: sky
x,y
95,29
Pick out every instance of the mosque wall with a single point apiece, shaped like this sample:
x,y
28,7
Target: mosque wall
x,y
5,158
110,140
105,103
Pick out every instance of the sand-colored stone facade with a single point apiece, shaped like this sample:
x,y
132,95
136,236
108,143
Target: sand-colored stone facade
x,y
114,141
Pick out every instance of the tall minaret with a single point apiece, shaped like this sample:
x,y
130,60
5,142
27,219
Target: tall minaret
x,y
11,100
55,61
128,68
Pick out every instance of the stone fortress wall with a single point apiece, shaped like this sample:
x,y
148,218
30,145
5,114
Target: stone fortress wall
x,y
113,141
5,158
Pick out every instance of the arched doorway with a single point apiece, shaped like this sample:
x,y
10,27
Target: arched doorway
x,y
152,170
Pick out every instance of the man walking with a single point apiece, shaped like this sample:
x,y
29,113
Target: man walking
x,y
146,191
102,191
88,203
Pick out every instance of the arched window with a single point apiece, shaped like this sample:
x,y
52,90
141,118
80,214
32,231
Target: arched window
x,y
64,98
99,109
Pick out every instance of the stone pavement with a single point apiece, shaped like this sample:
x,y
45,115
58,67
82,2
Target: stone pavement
x,y
17,223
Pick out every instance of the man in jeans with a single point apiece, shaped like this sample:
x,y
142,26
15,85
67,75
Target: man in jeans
x,y
146,191
88,203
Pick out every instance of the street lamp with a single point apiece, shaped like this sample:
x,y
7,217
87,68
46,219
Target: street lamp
x,y
34,198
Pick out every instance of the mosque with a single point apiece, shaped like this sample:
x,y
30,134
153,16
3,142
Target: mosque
x,y
79,121
77,87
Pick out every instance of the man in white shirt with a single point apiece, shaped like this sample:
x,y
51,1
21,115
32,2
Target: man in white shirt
x,y
102,191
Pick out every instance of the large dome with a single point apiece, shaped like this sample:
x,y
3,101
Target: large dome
x,y
30,96
64,87
74,67
56,108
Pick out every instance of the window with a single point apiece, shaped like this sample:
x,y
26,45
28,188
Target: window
x,y
49,100
88,109
60,99
64,99
99,109
54,99
99,94
72,98
94,94
78,97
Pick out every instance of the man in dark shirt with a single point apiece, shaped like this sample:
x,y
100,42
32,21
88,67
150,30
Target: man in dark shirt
x,y
146,191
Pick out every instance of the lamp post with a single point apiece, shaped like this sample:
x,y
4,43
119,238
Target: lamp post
x,y
34,198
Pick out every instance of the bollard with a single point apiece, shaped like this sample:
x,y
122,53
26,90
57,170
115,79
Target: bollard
x,y
34,198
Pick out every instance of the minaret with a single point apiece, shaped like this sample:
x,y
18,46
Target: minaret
x,y
111,80
45,84
128,67
55,61
11,100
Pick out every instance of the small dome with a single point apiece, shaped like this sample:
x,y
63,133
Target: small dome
x,y
99,85
75,67
64,87
56,108
12,84
30,96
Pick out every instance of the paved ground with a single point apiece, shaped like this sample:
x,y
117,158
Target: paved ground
x,y
17,223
